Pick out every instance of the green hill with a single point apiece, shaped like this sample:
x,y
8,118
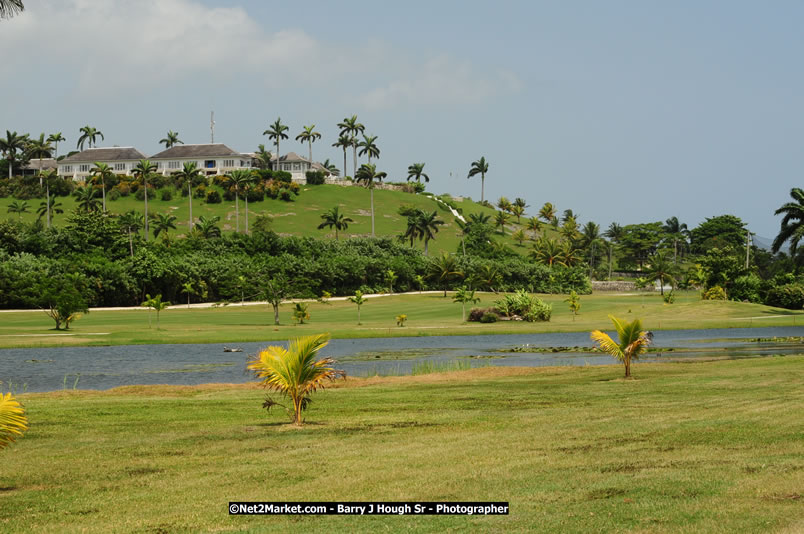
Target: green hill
x,y
302,216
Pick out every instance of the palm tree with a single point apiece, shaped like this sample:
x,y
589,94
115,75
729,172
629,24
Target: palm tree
x,y
444,269
208,228
503,204
547,212
189,290
39,148
633,341
333,218
678,231
570,255
500,220
141,172
661,269
309,136
351,128
171,139
534,225
615,232
331,167
19,207
85,199
368,173
517,211
56,138
480,167
88,133
520,236
189,174
276,131
369,147
416,171
463,296
50,206
546,251
13,421
295,372
344,142
251,179
263,157
163,223
428,224
9,8
130,223
102,172
237,179
10,146
358,299
792,226
155,303
487,277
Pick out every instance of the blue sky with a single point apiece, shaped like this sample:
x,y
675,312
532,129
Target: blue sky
x,y
622,111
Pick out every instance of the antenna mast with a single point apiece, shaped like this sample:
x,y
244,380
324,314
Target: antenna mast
x,y
212,127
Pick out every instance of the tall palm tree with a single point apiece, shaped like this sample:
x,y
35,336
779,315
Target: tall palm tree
x,y
351,129
416,171
163,223
368,173
632,342
50,206
237,179
369,147
171,139
56,138
344,142
276,131
309,136
263,157
428,226
39,148
189,174
547,212
12,144
13,421
615,232
85,199
335,219
295,372
19,208
102,172
208,228
678,232
661,269
90,134
9,8
480,167
463,296
792,226
130,223
142,171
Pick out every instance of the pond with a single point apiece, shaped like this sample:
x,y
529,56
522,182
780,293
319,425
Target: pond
x,y
49,369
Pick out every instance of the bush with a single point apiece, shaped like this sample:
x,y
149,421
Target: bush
x,y
714,293
315,177
669,297
285,195
166,194
529,307
140,194
200,191
789,296
114,194
283,176
488,318
213,197
746,287
123,189
475,314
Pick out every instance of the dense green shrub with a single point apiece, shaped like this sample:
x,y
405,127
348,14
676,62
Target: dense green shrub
x,y
213,197
529,307
166,194
476,314
489,318
316,177
114,194
746,287
789,296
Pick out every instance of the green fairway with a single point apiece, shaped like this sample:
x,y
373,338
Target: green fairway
x,y
428,314
300,217
703,447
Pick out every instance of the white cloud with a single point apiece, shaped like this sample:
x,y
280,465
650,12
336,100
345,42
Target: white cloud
x,y
98,47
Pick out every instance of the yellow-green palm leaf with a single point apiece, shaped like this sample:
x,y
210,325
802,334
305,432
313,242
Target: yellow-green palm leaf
x,y
295,372
13,421
632,341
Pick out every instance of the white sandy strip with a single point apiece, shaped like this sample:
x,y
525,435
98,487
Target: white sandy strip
x,y
51,335
762,317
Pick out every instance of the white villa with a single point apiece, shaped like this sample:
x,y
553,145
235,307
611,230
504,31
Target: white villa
x,y
120,159
297,166
210,158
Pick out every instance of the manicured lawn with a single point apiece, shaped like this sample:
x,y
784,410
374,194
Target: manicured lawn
x,y
428,314
703,447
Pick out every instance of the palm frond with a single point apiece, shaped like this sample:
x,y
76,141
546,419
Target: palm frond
x,y
13,421
607,344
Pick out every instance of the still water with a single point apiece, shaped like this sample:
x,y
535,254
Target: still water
x,y
48,369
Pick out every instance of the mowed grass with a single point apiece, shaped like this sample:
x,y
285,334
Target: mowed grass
x,y
302,216
702,447
429,314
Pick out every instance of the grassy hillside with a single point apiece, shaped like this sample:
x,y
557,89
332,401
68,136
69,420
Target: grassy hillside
x,y
302,216
704,447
